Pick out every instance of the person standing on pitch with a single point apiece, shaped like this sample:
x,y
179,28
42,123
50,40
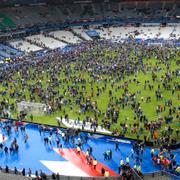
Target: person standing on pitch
x,y
78,150
117,145
94,163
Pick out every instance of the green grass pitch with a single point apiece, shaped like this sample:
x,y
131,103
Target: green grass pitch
x,y
126,115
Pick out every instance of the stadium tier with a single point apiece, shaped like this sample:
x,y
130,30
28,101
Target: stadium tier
x,y
76,35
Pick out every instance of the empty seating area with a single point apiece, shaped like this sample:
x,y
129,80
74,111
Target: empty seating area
x,y
30,15
147,32
143,32
9,50
121,32
45,42
66,36
81,32
37,42
25,46
51,40
103,32
176,32
61,38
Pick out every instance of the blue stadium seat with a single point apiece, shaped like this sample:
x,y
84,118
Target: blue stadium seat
x,y
4,54
10,50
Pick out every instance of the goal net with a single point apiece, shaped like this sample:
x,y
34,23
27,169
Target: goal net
x,y
31,108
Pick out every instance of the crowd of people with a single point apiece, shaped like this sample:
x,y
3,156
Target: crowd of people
x,y
76,139
76,87
165,160
51,136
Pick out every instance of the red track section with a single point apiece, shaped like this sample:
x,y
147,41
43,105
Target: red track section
x,y
80,162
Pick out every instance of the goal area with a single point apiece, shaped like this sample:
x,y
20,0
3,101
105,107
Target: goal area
x,y
31,107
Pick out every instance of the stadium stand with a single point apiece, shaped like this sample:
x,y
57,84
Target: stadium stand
x,y
103,33
61,38
44,41
10,50
81,32
123,11
24,46
66,36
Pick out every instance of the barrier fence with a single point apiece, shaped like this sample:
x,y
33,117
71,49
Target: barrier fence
x,y
5,175
10,174
161,175
136,176
171,176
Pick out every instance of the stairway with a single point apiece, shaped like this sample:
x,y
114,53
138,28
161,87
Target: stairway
x,y
78,35
56,38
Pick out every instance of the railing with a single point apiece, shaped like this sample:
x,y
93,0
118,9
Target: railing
x,y
84,178
161,174
171,176
136,176
4,175
153,175
19,176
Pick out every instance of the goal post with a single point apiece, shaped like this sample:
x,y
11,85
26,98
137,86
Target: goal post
x,y
31,107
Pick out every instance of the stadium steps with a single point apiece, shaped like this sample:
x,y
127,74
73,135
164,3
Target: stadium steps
x,y
78,35
56,38
33,42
